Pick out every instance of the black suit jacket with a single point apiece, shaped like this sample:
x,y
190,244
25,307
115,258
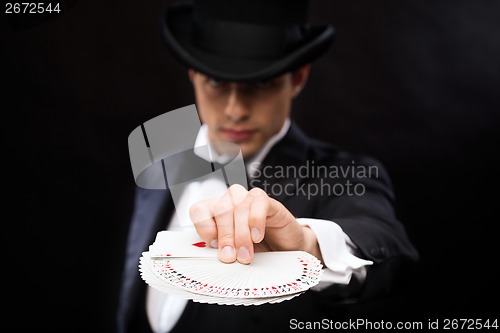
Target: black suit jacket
x,y
368,217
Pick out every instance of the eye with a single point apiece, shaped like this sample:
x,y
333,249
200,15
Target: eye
x,y
214,83
264,84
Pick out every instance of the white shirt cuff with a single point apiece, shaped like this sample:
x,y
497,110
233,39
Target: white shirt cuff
x,y
337,251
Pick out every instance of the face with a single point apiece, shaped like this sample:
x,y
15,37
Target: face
x,y
247,114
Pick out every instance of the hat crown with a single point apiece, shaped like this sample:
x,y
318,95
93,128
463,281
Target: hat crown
x,y
260,12
254,29
244,40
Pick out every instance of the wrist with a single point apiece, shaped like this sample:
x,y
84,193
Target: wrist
x,y
311,244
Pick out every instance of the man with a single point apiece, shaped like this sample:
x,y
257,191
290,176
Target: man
x,y
247,61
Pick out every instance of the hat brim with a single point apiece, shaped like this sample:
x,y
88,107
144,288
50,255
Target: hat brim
x,y
177,32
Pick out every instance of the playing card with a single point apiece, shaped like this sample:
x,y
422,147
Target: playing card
x,y
151,279
182,243
269,274
180,263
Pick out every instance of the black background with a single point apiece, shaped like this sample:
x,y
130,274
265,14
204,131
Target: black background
x,y
413,83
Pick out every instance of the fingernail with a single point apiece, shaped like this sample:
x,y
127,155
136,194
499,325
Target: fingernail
x,y
255,233
214,243
243,254
227,252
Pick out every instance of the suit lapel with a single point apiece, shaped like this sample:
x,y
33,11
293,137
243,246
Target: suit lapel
x,y
152,209
152,213
291,152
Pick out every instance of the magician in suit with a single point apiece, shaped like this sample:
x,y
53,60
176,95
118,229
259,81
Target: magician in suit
x,y
247,61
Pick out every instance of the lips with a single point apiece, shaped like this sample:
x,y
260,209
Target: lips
x,y
238,135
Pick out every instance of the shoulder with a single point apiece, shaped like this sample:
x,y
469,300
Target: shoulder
x,y
328,152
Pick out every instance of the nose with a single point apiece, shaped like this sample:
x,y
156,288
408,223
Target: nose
x,y
237,109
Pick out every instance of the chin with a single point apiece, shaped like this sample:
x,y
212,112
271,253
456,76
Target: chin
x,y
247,153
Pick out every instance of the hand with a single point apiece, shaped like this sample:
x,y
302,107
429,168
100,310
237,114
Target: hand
x,y
242,222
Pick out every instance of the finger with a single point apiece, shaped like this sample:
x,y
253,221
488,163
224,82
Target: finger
x,y
223,210
242,239
258,213
237,193
202,216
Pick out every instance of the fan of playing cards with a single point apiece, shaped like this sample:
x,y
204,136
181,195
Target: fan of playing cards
x,y
180,263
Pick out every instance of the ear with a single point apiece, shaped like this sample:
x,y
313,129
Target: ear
x,y
299,78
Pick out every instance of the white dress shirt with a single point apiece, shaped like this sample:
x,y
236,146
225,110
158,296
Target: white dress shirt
x,y
338,251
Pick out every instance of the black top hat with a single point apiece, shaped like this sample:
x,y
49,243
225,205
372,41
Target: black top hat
x,y
244,40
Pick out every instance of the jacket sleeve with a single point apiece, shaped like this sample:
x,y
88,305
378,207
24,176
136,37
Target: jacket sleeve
x,y
367,215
